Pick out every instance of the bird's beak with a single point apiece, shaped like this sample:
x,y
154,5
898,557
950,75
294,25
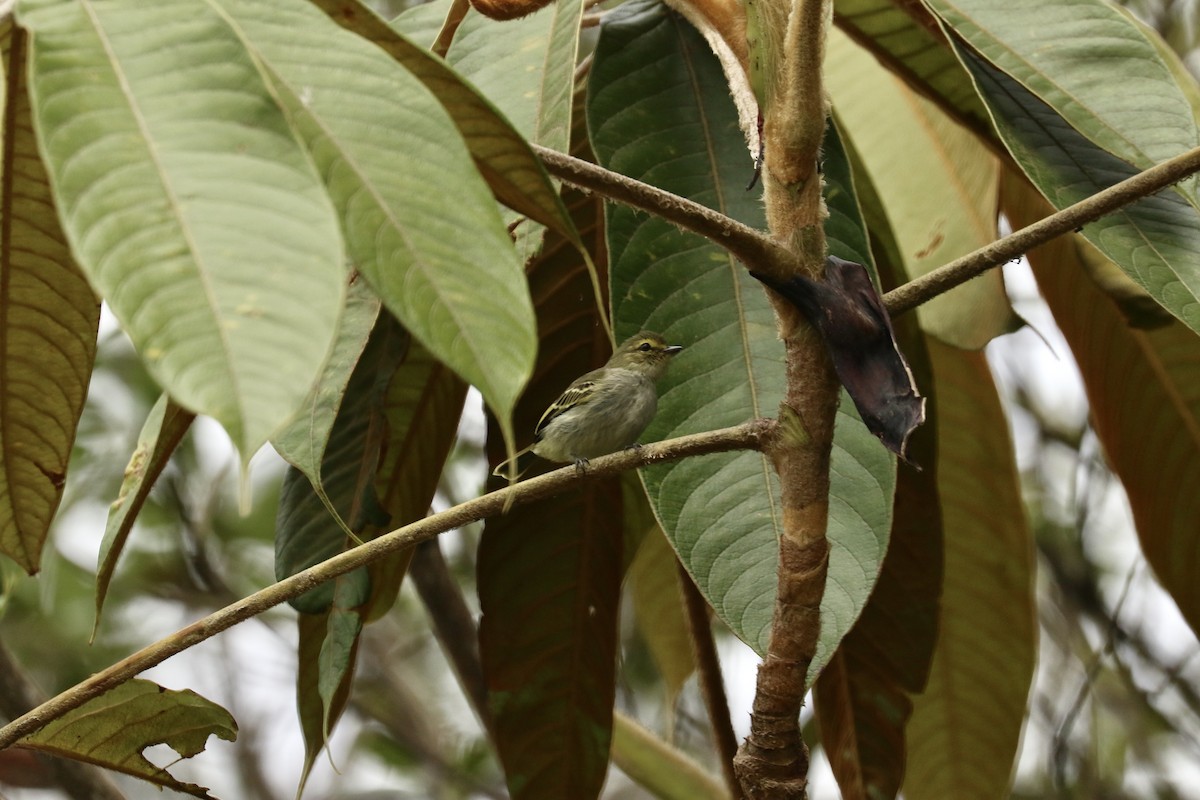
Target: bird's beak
x,y
673,349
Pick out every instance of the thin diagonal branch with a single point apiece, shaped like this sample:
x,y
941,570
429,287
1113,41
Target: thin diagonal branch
x,y
1105,202
708,669
754,435
748,245
755,248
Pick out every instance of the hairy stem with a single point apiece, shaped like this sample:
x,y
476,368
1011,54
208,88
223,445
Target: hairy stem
x,y
773,760
753,435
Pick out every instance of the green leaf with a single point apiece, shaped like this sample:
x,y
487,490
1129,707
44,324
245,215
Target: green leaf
x,y
659,113
525,66
441,261
658,611
422,407
1156,241
903,37
502,155
112,730
161,433
326,653
48,319
1143,390
305,533
189,203
936,185
966,726
1090,63
668,773
302,441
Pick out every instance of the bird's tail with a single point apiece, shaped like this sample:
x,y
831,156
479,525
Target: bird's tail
x,y
516,466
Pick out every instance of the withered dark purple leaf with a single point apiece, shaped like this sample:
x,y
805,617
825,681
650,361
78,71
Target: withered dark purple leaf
x,y
849,314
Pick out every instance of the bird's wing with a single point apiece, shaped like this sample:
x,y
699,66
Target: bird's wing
x,y
578,393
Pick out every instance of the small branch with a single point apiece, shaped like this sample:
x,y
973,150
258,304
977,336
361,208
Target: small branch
x,y
453,625
708,669
748,245
752,247
753,435
941,280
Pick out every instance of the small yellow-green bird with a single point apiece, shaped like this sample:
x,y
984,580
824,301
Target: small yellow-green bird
x,y
605,410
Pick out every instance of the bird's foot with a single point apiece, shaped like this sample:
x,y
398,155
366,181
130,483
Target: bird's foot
x,y
581,464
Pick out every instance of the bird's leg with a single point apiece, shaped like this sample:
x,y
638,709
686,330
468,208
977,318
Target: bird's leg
x,y
581,464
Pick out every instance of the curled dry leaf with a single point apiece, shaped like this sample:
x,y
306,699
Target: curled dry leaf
x,y
848,312
508,9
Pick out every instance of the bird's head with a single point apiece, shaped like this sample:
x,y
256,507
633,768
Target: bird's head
x,y
646,352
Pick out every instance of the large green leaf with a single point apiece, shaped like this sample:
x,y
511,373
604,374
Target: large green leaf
x,y
189,203
659,112
525,66
966,726
441,261
113,729
502,155
905,38
48,319
1090,63
1144,392
1156,241
936,184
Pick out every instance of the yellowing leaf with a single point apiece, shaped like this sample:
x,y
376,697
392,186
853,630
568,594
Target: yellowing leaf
x,y
113,729
48,319
966,726
936,184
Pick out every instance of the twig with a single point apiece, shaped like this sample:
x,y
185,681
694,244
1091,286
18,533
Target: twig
x,y
923,289
755,248
745,243
708,669
453,624
753,435
1062,735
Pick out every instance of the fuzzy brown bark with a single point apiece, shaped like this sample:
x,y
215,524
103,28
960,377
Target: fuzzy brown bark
x,y
773,761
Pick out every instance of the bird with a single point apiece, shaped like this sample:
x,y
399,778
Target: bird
x,y
604,410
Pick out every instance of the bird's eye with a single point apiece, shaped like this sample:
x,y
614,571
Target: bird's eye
x,y
645,347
